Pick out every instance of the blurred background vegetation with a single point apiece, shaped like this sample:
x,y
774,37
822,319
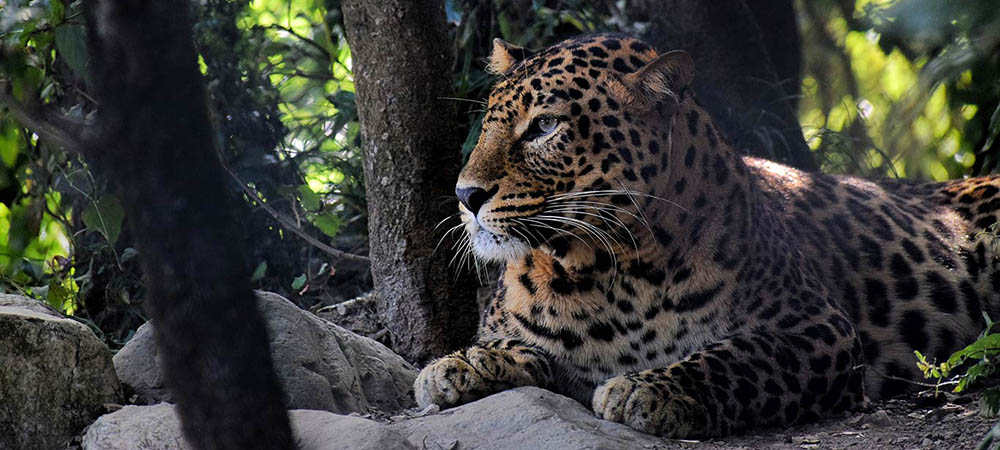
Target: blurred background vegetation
x,y
889,88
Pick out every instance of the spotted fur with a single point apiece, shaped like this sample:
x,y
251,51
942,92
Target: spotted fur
x,y
674,286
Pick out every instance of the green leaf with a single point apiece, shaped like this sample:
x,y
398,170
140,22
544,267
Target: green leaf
x,y
25,83
105,216
259,272
56,12
991,403
71,43
985,346
59,296
9,143
24,225
310,200
299,282
329,224
27,31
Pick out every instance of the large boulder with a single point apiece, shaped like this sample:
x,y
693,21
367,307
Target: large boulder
x,y
147,427
526,418
321,366
55,376
157,428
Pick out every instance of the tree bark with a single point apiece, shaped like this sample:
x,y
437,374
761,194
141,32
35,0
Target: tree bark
x,y
747,63
153,138
403,70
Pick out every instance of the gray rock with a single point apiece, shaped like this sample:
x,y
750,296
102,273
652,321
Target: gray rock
x,y
324,366
878,418
55,375
147,427
138,365
321,366
524,418
321,430
22,302
157,428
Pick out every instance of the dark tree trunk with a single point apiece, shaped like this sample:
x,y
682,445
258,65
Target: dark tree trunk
x,y
779,33
153,138
747,63
402,71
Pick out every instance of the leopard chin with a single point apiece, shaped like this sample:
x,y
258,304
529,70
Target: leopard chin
x,y
493,247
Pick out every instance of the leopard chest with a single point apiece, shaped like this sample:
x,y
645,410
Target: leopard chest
x,y
601,318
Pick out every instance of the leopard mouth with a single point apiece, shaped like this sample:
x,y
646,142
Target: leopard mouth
x,y
494,246
598,218
496,239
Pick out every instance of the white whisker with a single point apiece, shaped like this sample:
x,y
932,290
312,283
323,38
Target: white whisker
x,y
447,233
606,240
594,205
612,192
558,231
445,220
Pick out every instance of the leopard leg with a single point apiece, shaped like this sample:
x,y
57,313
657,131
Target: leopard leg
x,y
481,370
765,378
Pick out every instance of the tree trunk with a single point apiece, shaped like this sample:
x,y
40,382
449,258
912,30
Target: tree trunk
x,y
153,138
402,70
779,33
747,63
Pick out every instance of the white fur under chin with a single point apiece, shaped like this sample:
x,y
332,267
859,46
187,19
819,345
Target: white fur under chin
x,y
493,247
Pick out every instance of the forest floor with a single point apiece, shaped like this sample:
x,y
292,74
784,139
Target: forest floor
x,y
947,423
910,423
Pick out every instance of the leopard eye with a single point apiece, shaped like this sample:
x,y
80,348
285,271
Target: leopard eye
x,y
541,126
547,124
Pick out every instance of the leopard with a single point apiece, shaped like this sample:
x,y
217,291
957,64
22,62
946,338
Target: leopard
x,y
651,272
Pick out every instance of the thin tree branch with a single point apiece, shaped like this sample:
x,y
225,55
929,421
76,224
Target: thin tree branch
x,y
290,225
310,42
58,131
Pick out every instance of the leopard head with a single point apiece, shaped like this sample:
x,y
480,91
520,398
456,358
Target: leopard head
x,y
571,135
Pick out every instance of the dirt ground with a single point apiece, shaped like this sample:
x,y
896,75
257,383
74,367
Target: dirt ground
x,y
912,423
915,423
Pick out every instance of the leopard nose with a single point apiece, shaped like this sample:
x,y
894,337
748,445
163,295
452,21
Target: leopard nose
x,y
474,197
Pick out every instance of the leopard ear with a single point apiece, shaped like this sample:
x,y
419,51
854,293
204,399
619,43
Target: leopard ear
x,y
505,56
663,77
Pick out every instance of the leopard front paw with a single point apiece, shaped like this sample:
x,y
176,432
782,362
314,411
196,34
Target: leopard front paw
x,y
643,405
478,371
447,382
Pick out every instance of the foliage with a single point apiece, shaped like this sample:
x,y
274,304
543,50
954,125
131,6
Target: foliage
x,y
978,364
902,87
278,76
59,229
308,62
311,170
